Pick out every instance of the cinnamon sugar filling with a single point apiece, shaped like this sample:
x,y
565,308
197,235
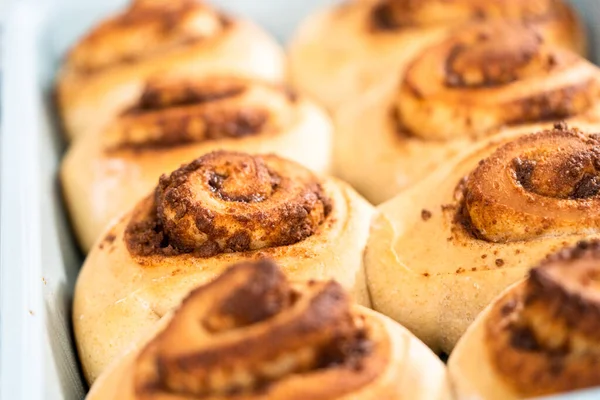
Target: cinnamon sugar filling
x,y
123,39
229,202
310,330
543,338
176,112
392,15
544,184
470,84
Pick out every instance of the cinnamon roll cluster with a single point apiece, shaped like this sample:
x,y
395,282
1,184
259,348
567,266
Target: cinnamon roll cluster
x,y
184,162
222,208
175,120
342,52
320,346
222,262
106,70
472,85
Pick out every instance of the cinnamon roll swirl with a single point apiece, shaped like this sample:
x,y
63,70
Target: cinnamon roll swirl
x,y
343,51
441,251
105,71
252,334
176,120
219,209
472,85
540,337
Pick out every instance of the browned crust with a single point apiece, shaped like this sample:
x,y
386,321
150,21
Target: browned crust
x,y
497,60
228,202
393,15
159,94
123,38
177,112
472,73
543,336
312,326
539,184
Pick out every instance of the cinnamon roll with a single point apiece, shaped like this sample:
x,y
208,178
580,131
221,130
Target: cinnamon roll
x,y
176,120
341,52
540,337
252,334
474,84
105,71
441,251
219,209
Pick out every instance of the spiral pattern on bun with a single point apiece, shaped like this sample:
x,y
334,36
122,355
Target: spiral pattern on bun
x,y
230,202
540,336
495,210
342,52
320,346
220,209
105,72
527,189
124,39
406,14
478,82
174,121
489,77
173,112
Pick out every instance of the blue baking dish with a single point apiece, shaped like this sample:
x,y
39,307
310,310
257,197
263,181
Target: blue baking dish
x,y
39,260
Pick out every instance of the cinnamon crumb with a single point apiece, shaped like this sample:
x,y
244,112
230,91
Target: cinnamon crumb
x,y
425,215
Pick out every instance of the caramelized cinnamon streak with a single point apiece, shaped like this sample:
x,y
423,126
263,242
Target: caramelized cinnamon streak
x,y
491,60
229,202
173,112
168,25
389,15
544,184
543,337
161,94
286,341
486,77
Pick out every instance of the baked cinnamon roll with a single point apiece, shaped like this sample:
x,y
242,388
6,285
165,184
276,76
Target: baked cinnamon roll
x,y
176,120
105,71
540,337
474,84
441,251
252,334
341,52
222,208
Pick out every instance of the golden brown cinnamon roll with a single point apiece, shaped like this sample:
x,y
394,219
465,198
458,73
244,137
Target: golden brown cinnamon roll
x,y
540,337
222,208
252,334
474,84
341,52
105,72
442,250
177,120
